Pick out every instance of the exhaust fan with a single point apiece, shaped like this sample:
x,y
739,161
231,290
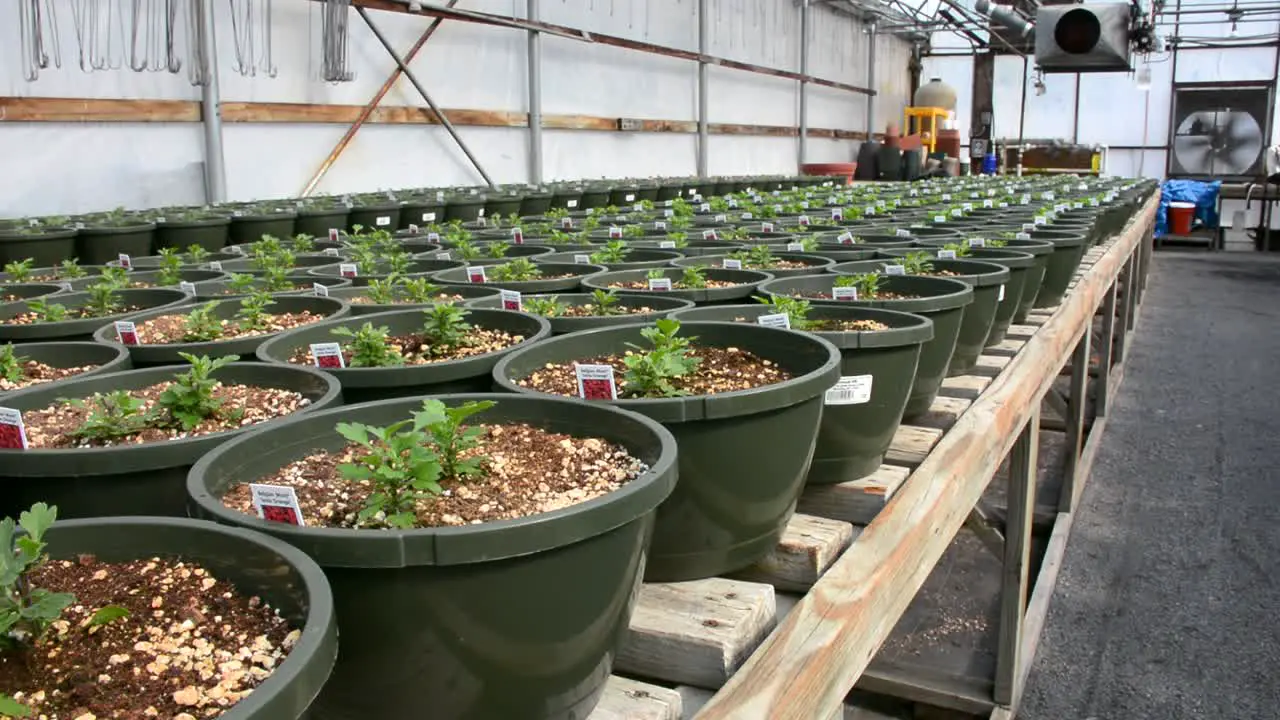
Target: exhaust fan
x,y
1083,38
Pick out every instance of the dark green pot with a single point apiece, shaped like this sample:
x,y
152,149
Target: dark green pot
x,y
942,300
364,384
421,212
463,207
567,199
256,566
442,639
219,289
145,479
1041,250
1068,251
986,279
103,358
468,293
416,268
153,277
636,259
659,305
151,355
575,275
743,455
318,221
744,282
829,240
248,229
857,427
813,263
593,197
696,248
46,248
29,291
82,329
843,253
250,266
382,216
103,244
209,233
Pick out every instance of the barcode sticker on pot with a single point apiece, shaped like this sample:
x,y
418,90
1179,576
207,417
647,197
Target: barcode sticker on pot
x,y
946,254
659,225
327,355
475,274
660,284
125,262
13,434
595,382
977,242
319,290
428,217
276,503
795,247
127,332
382,220
348,270
778,320
1001,298
902,232
187,287
333,234
895,270
582,259
845,238
615,231
667,244
844,293
630,197
511,300
710,235
731,264
850,390
571,203
747,216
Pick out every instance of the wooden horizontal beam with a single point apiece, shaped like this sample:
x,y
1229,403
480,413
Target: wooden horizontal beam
x,y
807,666
44,109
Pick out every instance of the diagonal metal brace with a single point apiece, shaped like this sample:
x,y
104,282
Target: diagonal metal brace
x,y
983,523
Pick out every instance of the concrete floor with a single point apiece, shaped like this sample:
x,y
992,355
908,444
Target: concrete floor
x,y
1168,604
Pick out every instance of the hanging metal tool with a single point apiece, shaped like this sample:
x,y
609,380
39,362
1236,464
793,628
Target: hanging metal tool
x,y
335,40
152,36
38,37
197,58
251,28
99,28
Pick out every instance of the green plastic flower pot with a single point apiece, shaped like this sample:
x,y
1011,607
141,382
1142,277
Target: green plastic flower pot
x,y
812,263
223,290
318,220
593,197
535,203
251,227
635,259
695,248
743,455
82,329
155,279
45,246
465,208
11,292
1068,251
470,374
862,414
843,253
421,211
467,292
256,565
377,216
504,204
942,300
147,478
987,280
99,358
865,239
209,233
100,244
415,268
744,282
426,615
1041,250
659,306
573,277
151,355
251,266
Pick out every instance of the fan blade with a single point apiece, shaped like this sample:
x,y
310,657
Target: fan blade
x,y
1194,153
1242,127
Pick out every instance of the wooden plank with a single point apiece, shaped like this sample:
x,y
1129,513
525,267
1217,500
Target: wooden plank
x,y
1021,332
1007,347
626,699
809,663
990,365
696,633
808,547
30,109
965,386
943,413
856,501
911,445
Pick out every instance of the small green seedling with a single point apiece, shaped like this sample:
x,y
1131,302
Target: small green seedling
x,y
11,364
650,373
70,269
796,309
110,416
867,284
370,346
46,311
518,270
202,325
189,399
545,306
446,327
20,271
253,315
605,303
693,277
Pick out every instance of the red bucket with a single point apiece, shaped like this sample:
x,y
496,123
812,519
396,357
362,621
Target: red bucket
x,y
1181,217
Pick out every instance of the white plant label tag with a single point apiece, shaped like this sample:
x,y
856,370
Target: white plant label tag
x,y
332,252
348,270
766,227
382,220
187,287
566,223
1042,220
511,300
710,235
1027,227
795,247
946,254
777,320
276,503
978,242
850,390
1022,236
667,245
595,382
747,216
431,237
902,232
582,259
844,293
946,197
895,270
845,238
124,260
127,332
215,265
237,249
444,256
428,217
939,218
956,212
319,290
615,232
1001,298
660,284
967,207
439,195
704,207
327,355
13,434
638,207
730,264
572,204
475,274
630,197
668,213
414,229
659,225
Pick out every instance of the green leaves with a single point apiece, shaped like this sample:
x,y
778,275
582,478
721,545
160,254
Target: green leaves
x,y
544,306
253,315
46,311
112,415
797,310
420,290
71,269
868,284
11,364
383,291
108,614
614,251
25,611
605,303
693,277
446,327
650,373
917,263
370,346
189,399
201,324
19,271
170,266
13,708
518,270
103,298
758,256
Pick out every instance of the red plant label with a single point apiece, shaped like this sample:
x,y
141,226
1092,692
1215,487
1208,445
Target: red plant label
x,y
475,274
327,355
125,262
845,238
348,270
615,231
595,382
837,214
766,227
276,503
804,219
13,435
710,235
517,236
333,234
127,332
511,300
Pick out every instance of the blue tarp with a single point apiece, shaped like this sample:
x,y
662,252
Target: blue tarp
x,y
1203,194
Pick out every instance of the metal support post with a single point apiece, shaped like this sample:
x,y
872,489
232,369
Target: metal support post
x,y
1017,562
871,79
215,170
535,97
803,148
413,79
1106,344
704,81
1077,400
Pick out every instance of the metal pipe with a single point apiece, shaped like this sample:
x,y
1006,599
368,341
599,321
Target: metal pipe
x,y
535,97
1022,113
1004,16
215,169
704,133
413,79
871,79
804,72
